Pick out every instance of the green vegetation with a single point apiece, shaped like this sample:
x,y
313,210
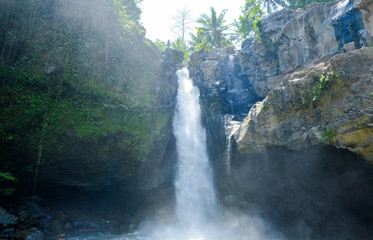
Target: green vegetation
x,y
68,78
248,22
301,106
7,176
363,123
328,135
265,106
6,182
324,82
180,45
160,45
212,31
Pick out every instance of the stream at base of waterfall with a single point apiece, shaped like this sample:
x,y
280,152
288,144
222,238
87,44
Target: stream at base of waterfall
x,y
199,215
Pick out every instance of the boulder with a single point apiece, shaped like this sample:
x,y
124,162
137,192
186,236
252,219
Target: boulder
x,y
7,219
29,234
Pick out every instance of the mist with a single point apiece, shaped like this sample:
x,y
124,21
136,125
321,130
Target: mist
x,y
104,136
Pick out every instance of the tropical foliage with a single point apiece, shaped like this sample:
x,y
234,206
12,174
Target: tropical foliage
x,y
161,45
63,73
252,13
213,31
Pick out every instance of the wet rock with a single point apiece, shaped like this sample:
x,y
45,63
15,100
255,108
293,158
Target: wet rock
x,y
29,234
23,214
67,226
175,56
7,219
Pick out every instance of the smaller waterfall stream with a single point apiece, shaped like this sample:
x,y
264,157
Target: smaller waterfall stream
x,y
231,127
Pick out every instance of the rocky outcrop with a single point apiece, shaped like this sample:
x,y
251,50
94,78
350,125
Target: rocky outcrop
x,y
6,219
223,95
222,90
295,116
296,39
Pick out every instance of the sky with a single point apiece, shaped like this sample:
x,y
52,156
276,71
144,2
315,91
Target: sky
x,y
157,15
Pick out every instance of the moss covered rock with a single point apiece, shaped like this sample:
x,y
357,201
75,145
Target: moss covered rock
x,y
84,96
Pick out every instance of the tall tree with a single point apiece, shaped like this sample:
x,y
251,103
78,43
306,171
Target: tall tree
x,y
213,29
181,23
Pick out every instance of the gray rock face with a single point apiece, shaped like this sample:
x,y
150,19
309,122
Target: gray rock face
x,y
366,8
290,117
222,92
298,39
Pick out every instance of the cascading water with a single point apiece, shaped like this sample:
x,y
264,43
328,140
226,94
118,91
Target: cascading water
x,y
198,212
231,127
195,195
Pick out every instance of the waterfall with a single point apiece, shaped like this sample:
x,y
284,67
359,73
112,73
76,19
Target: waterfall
x,y
195,194
199,216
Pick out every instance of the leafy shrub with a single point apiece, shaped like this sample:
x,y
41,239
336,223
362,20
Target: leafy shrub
x,y
324,83
328,135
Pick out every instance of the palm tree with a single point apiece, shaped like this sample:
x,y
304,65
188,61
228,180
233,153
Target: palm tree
x,y
213,29
251,14
196,42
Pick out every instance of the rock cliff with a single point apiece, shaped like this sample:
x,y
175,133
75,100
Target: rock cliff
x,y
224,95
302,152
297,39
293,116
284,66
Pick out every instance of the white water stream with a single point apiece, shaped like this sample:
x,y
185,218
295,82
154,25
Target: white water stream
x,y
195,194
